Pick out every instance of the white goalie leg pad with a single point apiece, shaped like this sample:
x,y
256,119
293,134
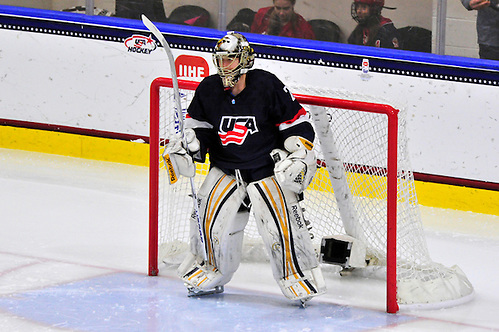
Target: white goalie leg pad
x,y
223,224
303,287
281,224
198,274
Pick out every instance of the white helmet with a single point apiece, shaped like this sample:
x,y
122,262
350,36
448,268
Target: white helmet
x,y
234,47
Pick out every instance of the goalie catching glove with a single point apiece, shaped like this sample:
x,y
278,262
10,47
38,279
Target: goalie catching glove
x,y
295,168
177,160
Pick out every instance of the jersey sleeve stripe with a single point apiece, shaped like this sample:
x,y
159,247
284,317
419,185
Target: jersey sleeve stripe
x,y
300,117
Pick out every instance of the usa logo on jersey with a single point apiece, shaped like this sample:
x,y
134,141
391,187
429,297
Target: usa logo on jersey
x,y
235,129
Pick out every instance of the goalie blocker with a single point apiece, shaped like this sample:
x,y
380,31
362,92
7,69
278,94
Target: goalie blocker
x,y
177,156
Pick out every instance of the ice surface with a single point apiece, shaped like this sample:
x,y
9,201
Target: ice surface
x,y
73,257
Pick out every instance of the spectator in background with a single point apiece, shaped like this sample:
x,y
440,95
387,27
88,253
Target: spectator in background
x,y
242,21
372,28
487,26
282,20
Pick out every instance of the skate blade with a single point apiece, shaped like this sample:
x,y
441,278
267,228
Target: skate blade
x,y
193,292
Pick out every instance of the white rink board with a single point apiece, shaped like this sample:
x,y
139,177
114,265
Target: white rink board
x,y
97,84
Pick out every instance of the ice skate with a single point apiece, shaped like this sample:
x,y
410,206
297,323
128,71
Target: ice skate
x,y
194,292
200,278
303,302
303,288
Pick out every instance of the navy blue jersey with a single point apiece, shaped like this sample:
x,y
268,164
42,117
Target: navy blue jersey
x,y
239,132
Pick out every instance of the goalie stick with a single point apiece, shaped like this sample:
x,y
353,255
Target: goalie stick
x,y
178,112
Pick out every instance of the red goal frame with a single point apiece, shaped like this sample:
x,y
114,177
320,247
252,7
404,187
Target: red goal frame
x,y
389,111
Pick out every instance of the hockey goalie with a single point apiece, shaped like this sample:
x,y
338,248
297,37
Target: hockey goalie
x,y
259,141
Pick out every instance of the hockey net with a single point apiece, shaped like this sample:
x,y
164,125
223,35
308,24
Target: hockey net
x,y
364,188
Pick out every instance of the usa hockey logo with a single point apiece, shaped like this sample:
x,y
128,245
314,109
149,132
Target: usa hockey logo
x,y
235,129
140,44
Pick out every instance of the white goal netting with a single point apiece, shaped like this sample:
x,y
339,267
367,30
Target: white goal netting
x,y
349,195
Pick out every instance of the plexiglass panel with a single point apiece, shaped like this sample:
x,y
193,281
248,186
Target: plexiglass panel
x,y
399,24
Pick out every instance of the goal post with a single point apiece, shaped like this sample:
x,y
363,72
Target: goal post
x,y
341,189
363,188
155,161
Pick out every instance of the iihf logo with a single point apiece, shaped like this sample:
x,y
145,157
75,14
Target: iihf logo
x,y
235,129
140,44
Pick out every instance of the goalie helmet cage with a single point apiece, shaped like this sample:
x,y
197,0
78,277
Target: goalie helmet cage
x,y
363,188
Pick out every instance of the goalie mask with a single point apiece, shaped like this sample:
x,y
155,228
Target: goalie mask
x,y
233,56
